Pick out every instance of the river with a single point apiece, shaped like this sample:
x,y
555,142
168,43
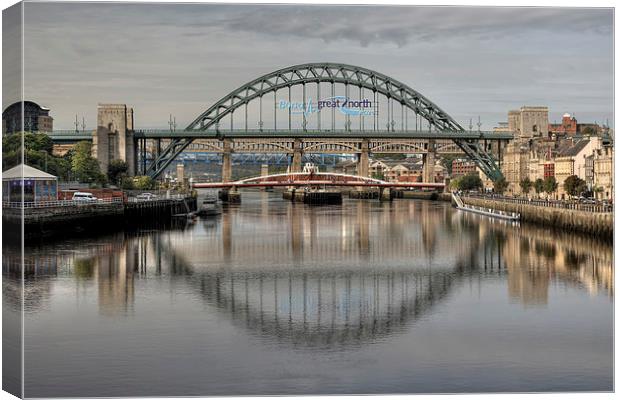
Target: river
x,y
272,297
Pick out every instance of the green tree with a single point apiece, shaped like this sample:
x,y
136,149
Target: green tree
x,y
470,182
117,169
378,175
500,185
526,185
539,186
143,182
38,153
84,167
574,185
455,183
127,183
598,190
550,185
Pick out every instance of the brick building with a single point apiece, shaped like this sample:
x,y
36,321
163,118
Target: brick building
x,y
570,127
462,167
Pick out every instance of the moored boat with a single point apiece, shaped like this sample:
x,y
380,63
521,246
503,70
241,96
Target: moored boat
x,y
489,212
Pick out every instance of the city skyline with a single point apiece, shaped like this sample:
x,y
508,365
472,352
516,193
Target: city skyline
x,y
162,60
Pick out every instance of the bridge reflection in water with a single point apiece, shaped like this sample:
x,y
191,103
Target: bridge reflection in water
x,y
323,276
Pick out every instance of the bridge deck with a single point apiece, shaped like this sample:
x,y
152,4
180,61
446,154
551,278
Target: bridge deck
x,y
218,185
69,135
323,134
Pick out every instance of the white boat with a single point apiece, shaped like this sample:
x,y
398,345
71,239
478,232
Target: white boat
x,y
489,212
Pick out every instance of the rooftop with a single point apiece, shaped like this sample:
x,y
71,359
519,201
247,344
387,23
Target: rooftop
x,y
26,172
574,150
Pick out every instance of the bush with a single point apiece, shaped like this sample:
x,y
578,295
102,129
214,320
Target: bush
x,y
127,183
117,169
470,182
143,182
500,185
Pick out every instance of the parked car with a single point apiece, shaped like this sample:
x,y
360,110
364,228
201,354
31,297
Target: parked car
x,y
83,196
146,196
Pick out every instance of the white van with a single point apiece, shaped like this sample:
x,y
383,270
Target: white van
x,y
83,196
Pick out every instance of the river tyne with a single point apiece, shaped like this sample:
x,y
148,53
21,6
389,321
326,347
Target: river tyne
x,y
273,297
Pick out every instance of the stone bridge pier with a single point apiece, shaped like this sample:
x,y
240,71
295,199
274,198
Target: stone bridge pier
x,y
113,139
428,163
362,159
226,161
297,156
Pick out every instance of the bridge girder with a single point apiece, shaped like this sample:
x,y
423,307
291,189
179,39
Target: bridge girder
x,y
328,73
326,146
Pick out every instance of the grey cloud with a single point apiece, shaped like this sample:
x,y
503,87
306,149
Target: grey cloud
x,y
180,58
401,25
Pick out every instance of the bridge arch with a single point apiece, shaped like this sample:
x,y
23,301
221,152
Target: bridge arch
x,y
333,73
329,73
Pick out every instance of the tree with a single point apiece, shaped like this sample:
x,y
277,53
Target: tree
x,y
84,167
526,185
143,182
598,190
117,169
470,182
574,185
379,175
588,131
127,183
500,185
38,153
455,183
539,186
550,184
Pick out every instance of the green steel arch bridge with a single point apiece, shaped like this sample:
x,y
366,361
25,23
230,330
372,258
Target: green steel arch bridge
x,y
340,109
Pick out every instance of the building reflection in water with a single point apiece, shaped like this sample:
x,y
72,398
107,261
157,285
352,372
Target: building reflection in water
x,y
325,276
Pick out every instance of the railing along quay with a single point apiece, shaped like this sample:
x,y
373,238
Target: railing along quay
x,y
59,203
603,208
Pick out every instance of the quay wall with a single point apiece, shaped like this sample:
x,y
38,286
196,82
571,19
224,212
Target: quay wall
x,y
593,223
92,218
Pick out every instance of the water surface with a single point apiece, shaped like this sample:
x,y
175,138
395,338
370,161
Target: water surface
x,y
280,298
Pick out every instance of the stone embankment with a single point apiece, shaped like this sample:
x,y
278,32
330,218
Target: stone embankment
x,y
64,217
599,224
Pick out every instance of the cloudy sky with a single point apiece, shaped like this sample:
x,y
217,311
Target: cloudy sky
x,y
180,58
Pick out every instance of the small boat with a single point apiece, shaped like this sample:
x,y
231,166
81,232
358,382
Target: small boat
x,y
210,200
209,208
489,212
190,216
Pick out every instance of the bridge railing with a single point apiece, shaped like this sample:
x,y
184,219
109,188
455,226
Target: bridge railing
x,y
156,198
70,132
568,205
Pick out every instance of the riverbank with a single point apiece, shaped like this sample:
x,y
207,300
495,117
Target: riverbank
x,y
66,218
600,224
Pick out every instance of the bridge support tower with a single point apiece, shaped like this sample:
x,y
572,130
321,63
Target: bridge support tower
x,y
385,194
297,156
226,161
362,159
428,163
113,139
